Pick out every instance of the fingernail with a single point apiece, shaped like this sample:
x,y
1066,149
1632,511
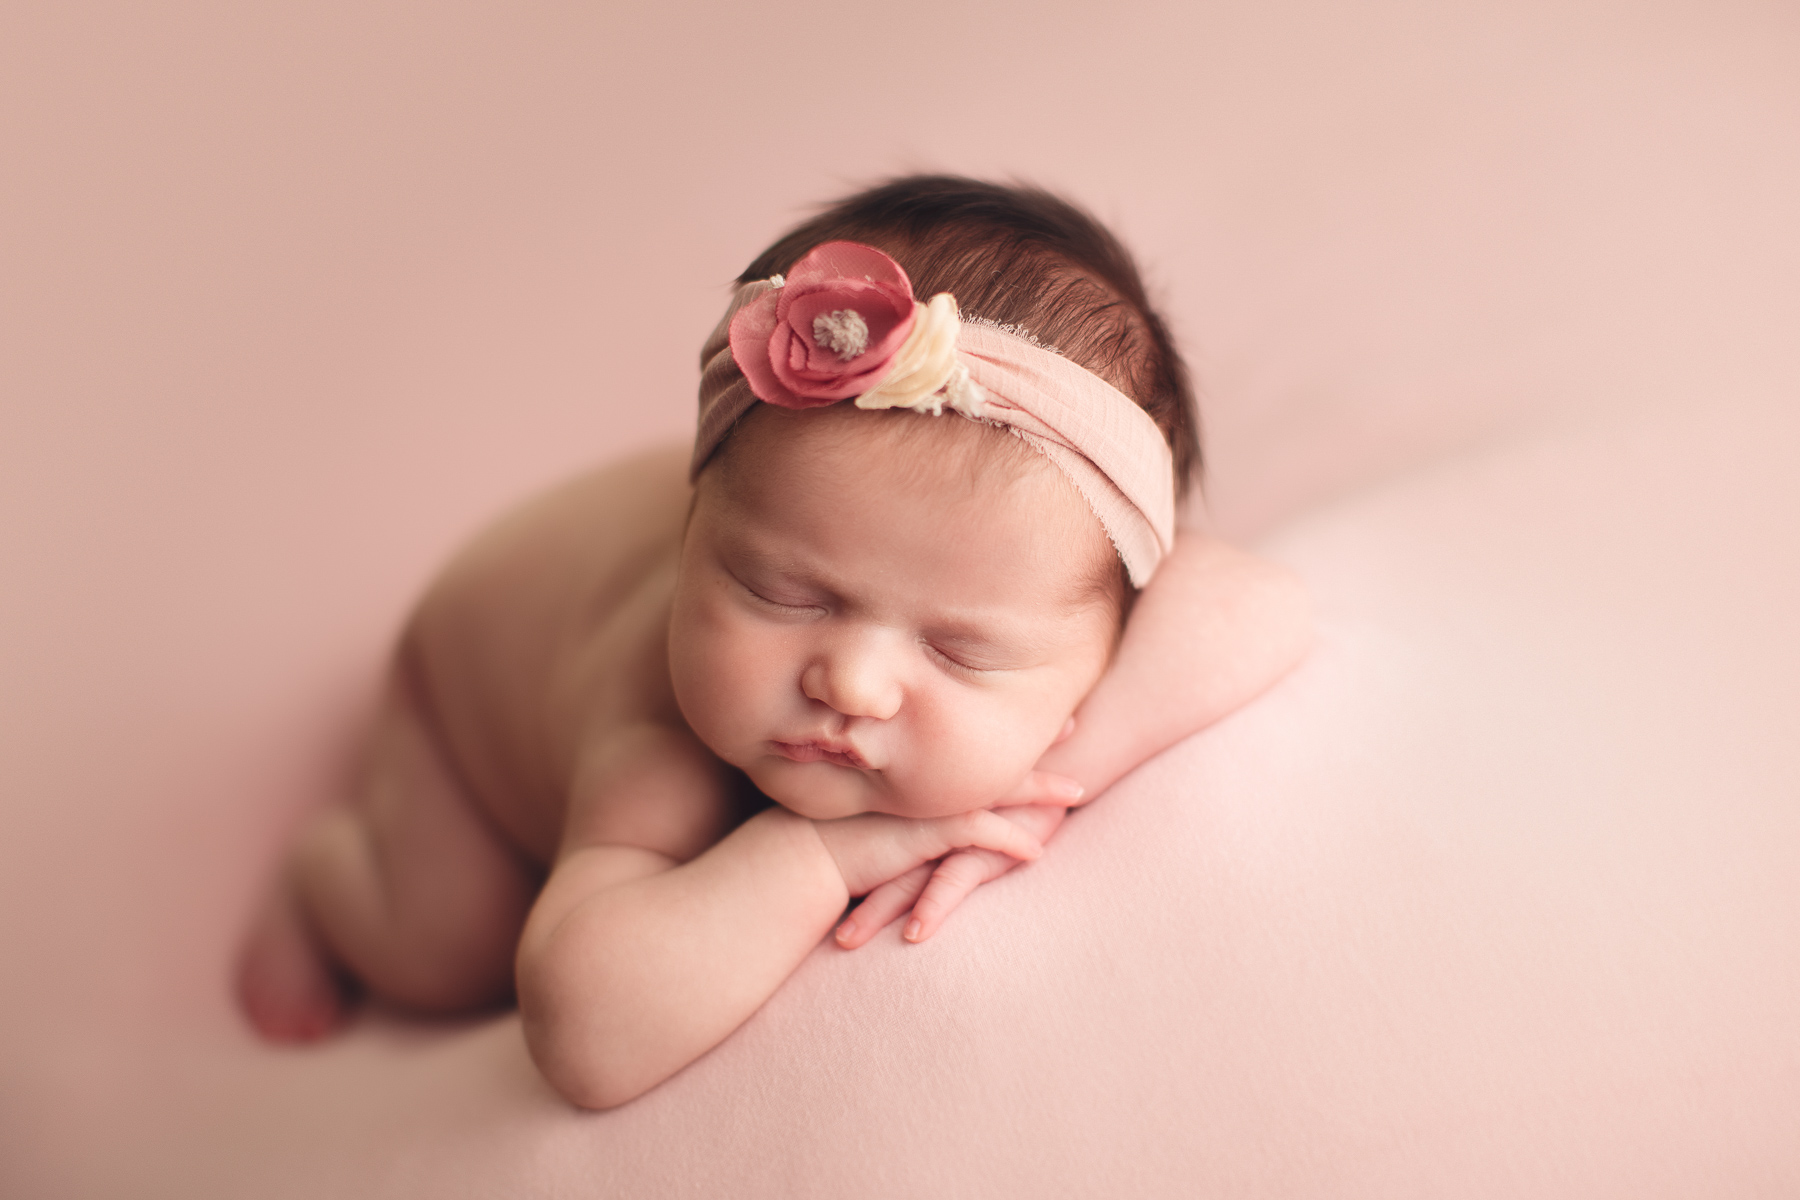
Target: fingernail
x,y
914,927
845,930
1068,789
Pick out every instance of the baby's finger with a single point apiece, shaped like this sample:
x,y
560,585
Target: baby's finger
x,y
881,906
982,830
1043,787
950,885
1039,820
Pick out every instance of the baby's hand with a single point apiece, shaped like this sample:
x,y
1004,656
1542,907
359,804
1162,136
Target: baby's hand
x,y
873,848
932,890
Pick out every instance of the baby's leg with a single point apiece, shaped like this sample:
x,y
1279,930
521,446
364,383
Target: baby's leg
x,y
407,888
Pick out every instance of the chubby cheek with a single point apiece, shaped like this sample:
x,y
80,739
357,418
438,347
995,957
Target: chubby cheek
x,y
721,676
971,756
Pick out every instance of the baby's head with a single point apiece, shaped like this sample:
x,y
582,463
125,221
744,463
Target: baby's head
x,y
884,610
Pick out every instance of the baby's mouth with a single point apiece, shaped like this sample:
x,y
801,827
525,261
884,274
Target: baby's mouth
x,y
806,752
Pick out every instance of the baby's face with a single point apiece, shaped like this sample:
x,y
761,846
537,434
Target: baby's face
x,y
863,625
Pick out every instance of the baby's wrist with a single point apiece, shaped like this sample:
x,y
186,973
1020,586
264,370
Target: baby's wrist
x,y
806,842
824,835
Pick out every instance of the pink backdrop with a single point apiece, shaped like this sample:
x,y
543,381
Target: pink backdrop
x,y
1494,308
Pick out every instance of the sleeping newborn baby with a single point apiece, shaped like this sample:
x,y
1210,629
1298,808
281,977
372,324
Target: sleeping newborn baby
x,y
901,588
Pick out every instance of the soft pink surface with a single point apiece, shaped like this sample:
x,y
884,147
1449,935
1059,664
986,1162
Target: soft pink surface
x,y
1495,316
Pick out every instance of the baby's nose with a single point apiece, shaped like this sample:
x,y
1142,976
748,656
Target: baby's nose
x,y
856,677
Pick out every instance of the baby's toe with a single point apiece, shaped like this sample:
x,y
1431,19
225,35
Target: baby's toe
x,y
285,983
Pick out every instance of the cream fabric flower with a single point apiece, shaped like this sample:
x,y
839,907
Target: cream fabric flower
x,y
926,364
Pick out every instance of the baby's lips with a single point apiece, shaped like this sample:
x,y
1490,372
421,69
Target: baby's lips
x,y
815,750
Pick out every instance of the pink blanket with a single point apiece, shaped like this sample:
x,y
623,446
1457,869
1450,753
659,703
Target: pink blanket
x,y
1495,319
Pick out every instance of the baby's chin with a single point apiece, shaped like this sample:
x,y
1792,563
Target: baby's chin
x,y
818,794
811,790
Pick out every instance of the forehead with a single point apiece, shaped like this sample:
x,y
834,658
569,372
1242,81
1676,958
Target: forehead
x,y
943,504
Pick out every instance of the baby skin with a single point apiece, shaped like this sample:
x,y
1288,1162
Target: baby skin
x,y
905,631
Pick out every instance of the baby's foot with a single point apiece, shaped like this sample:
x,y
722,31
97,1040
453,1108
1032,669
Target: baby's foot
x,y
285,982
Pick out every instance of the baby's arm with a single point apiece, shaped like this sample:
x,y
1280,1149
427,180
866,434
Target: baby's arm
x,y
1216,628
644,951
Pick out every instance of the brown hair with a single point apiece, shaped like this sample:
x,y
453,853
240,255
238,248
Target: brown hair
x,y
1019,256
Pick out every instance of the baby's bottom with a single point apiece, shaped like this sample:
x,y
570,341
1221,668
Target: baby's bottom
x,y
406,887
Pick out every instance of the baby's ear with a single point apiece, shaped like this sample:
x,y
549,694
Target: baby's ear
x,y
1067,729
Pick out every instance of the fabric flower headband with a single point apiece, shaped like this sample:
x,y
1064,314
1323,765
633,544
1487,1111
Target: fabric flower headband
x,y
844,323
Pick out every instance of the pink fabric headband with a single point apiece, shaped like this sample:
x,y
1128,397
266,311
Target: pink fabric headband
x,y
844,323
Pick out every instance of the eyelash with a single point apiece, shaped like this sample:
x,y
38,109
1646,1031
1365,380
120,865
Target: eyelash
x,y
944,660
777,605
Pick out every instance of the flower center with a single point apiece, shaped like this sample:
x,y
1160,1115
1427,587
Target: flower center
x,y
843,332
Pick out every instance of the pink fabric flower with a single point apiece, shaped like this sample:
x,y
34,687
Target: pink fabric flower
x,y
830,332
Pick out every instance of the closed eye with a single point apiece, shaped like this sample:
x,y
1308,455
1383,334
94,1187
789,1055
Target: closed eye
x,y
764,602
952,663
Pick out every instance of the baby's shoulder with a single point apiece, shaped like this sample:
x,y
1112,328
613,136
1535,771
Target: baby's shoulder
x,y
549,628
652,784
